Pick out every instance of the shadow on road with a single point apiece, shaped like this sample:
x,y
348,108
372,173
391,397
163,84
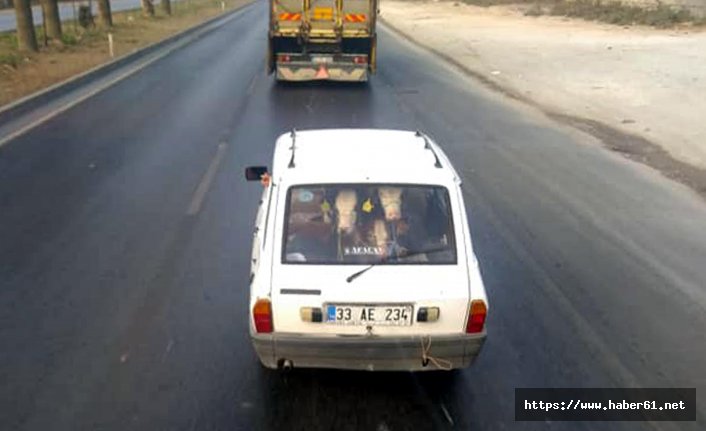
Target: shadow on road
x,y
341,400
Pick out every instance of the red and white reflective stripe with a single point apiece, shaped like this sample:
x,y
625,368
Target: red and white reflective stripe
x,y
355,17
287,16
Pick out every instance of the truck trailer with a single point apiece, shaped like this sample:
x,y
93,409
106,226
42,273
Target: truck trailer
x,y
322,39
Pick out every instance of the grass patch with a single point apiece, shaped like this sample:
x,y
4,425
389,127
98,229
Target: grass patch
x,y
82,49
8,39
535,10
10,59
622,14
488,3
69,39
611,11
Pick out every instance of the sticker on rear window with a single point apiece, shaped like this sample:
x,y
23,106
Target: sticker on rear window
x,y
305,196
363,251
367,206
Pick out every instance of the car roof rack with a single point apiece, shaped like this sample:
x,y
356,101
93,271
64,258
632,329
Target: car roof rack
x,y
293,135
429,147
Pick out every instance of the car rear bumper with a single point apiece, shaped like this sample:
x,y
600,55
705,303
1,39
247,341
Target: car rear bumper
x,y
367,353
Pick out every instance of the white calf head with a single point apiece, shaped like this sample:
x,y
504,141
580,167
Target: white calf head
x,y
391,200
345,204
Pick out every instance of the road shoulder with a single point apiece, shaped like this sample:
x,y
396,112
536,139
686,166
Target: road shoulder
x,y
636,89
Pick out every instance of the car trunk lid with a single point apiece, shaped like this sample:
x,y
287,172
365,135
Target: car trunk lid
x,y
393,286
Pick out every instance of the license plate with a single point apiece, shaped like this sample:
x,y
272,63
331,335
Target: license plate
x,y
375,315
322,60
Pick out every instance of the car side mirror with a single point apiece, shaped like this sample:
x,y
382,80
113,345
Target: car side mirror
x,y
255,173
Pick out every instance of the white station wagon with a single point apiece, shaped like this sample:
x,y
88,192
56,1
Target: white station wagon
x,y
362,256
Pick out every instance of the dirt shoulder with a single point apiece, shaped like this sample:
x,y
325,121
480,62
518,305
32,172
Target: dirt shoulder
x,y
640,88
81,50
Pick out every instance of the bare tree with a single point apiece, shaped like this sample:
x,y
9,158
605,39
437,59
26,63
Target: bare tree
x,y
50,10
26,37
104,13
147,8
167,6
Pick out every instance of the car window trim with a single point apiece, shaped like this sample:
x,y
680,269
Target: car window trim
x,y
452,227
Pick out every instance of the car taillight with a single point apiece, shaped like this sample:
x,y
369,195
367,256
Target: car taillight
x,y
476,318
262,315
283,58
360,59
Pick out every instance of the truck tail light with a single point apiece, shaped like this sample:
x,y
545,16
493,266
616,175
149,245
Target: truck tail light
x,y
360,59
262,315
476,317
283,58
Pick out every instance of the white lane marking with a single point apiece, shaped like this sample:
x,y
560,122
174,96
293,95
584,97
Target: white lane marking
x,y
206,180
24,129
447,414
21,131
309,105
251,87
167,350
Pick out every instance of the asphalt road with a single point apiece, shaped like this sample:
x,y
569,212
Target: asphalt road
x,y
123,299
66,12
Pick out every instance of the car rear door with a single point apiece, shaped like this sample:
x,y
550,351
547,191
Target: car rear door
x,y
385,289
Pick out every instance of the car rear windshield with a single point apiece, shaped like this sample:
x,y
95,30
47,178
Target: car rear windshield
x,y
368,223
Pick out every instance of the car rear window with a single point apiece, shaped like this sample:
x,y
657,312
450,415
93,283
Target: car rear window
x,y
368,223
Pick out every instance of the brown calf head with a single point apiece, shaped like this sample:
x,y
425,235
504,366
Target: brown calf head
x,y
391,200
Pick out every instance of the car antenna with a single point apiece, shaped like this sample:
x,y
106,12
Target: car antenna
x,y
293,135
427,146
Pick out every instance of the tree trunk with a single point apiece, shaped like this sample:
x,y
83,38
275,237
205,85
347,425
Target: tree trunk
x,y
26,37
147,8
104,13
167,6
50,10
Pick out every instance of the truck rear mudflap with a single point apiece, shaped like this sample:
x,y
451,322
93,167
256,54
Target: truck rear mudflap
x,y
298,67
